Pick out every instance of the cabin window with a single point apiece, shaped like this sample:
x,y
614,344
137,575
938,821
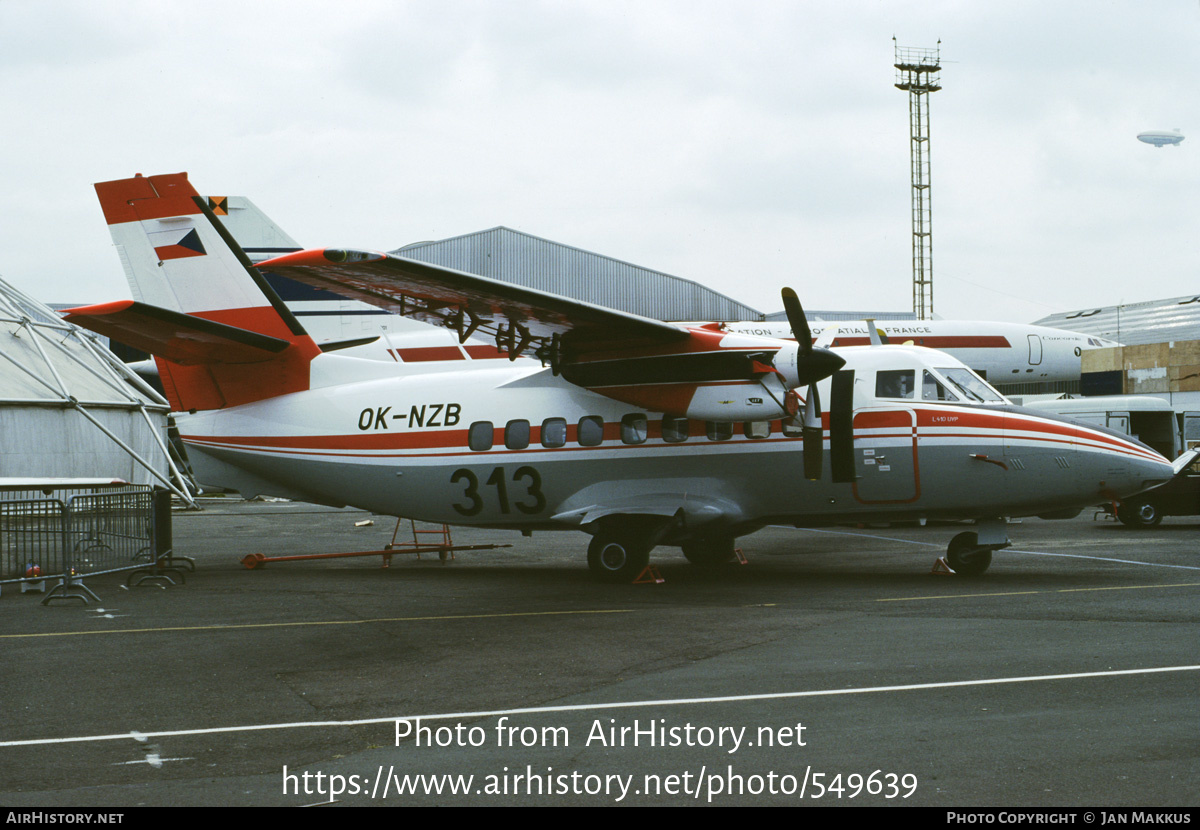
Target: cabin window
x,y
516,435
634,428
479,436
718,430
896,383
674,430
757,429
792,427
554,432
591,430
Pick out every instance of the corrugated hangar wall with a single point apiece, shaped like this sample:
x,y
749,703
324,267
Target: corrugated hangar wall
x,y
1153,321
504,254
68,408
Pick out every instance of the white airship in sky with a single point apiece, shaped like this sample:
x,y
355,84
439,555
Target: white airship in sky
x,y
1161,138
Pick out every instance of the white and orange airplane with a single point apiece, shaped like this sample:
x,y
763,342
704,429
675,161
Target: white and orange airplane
x,y
639,432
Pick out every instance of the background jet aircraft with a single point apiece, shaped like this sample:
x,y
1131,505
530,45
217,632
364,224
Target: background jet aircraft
x,y
1001,352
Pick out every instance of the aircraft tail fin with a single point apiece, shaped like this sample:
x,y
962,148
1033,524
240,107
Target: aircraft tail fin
x,y
257,234
179,258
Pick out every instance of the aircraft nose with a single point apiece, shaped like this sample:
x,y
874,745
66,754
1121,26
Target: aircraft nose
x,y
1157,473
1141,474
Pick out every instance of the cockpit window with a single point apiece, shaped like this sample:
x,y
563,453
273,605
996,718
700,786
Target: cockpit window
x,y
933,390
896,383
970,386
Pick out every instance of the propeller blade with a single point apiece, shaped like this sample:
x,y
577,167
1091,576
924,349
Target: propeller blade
x,y
813,435
841,427
797,320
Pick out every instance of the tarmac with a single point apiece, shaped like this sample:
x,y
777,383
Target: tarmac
x,y
832,668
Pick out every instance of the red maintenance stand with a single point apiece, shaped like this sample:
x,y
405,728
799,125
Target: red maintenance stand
x,y
439,543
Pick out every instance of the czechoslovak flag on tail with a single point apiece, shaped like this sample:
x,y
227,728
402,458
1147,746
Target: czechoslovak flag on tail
x,y
177,243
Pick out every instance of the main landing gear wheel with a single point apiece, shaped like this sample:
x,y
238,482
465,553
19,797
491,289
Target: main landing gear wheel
x,y
966,556
708,553
617,558
1139,514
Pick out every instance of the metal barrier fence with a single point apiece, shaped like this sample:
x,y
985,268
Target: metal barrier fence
x,y
74,534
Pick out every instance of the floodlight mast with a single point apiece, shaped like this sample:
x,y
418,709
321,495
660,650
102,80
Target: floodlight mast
x,y
917,74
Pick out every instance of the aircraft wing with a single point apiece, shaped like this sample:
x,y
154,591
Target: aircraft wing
x,y
522,320
696,372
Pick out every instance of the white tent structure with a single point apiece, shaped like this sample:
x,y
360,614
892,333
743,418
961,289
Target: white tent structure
x,y
70,409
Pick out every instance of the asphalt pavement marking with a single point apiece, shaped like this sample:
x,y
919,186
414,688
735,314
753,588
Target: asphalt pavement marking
x,y
591,707
1104,559
1055,591
314,622
1006,550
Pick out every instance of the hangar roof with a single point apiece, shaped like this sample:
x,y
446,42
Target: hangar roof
x,y
514,256
1153,321
69,408
46,360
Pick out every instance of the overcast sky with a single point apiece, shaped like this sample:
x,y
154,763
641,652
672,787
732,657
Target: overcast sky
x,y
745,146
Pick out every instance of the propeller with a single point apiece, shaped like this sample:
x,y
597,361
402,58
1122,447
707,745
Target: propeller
x,y
797,320
812,365
813,435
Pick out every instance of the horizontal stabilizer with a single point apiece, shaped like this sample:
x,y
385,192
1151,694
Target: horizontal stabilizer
x,y
180,338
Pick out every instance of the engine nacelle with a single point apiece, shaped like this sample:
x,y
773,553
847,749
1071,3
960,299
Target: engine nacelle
x,y
765,401
711,377
799,369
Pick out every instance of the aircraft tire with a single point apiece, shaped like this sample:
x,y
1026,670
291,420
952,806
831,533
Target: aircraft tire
x,y
1139,514
709,552
617,559
966,557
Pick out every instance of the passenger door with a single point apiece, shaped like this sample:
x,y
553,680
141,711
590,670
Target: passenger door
x,y
885,456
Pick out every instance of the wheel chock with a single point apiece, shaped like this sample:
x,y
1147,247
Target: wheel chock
x,y
648,576
741,557
942,568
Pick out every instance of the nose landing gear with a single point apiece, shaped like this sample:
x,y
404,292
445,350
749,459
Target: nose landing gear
x,y
968,556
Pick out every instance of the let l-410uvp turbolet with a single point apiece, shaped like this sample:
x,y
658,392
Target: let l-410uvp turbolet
x,y
636,431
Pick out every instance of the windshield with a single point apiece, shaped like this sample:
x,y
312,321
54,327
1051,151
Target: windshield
x,y
933,390
970,386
